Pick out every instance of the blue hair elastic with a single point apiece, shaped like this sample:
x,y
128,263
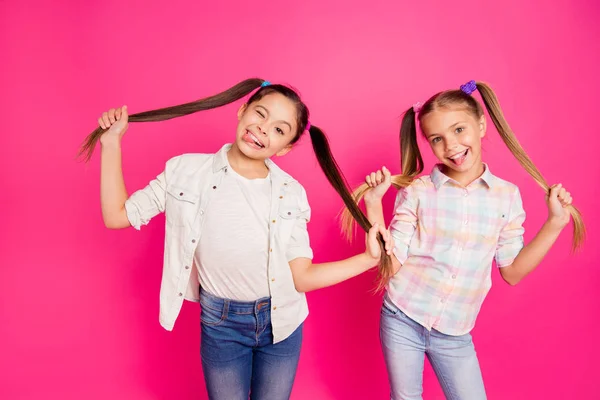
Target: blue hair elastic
x,y
265,83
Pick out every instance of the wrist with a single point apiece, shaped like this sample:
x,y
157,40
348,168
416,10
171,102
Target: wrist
x,y
556,223
370,261
372,201
110,143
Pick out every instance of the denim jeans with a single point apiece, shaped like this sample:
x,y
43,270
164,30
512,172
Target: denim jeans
x,y
405,344
239,358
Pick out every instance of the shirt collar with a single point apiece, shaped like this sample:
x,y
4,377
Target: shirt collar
x,y
439,178
220,163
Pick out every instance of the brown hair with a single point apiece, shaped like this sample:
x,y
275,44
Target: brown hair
x,y
319,140
412,162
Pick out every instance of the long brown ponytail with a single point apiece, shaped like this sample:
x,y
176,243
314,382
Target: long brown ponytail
x,y
493,107
319,140
162,114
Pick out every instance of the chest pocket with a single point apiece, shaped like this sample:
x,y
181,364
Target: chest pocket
x,y
290,213
489,220
181,206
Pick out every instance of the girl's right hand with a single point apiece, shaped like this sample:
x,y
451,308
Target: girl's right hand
x,y
116,121
373,248
379,182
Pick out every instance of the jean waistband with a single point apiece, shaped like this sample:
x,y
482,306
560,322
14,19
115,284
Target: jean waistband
x,y
234,306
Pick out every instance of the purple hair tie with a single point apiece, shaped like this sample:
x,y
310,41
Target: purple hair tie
x,y
469,87
307,126
417,107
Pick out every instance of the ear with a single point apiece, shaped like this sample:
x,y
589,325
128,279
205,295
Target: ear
x,y
242,110
482,126
284,151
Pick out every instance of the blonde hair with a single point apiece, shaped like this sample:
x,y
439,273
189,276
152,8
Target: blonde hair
x,y
412,162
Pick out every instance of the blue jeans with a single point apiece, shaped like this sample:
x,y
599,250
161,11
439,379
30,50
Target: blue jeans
x,y
238,355
405,344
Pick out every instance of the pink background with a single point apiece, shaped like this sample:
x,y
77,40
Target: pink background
x,y
79,303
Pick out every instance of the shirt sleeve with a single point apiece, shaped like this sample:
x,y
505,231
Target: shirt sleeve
x,y
148,202
404,223
510,241
299,244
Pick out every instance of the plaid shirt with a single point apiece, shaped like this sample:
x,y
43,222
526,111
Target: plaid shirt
x,y
446,237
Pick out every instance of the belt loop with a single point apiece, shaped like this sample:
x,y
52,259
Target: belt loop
x,y
225,308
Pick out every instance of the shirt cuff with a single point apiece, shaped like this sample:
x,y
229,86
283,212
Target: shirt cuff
x,y
299,252
133,214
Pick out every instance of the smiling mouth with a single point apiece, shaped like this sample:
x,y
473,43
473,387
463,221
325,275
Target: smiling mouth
x,y
250,138
459,158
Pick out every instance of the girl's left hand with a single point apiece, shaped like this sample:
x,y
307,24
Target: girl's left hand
x,y
373,249
558,199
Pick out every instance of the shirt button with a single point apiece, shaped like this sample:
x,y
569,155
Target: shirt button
x,y
453,276
201,212
271,250
214,187
180,294
272,279
225,169
281,197
181,194
273,221
193,240
187,267
274,308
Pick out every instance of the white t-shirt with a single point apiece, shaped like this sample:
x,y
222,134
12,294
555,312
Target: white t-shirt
x,y
232,255
184,191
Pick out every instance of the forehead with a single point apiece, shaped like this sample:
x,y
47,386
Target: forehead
x,y
441,119
278,106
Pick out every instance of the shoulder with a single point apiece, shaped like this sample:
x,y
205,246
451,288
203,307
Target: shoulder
x,y
417,187
280,176
293,188
504,187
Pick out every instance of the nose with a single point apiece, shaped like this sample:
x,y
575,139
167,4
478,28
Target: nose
x,y
451,144
261,130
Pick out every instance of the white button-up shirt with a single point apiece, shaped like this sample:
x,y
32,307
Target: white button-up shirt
x,y
183,191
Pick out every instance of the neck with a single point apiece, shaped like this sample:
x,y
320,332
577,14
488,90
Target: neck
x,y
245,166
465,178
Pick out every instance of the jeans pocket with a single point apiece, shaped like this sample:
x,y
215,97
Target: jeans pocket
x,y
389,308
211,316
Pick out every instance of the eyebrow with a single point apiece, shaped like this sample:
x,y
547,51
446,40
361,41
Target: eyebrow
x,y
267,111
450,127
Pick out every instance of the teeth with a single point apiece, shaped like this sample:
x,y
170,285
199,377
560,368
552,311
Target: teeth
x,y
255,139
454,157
